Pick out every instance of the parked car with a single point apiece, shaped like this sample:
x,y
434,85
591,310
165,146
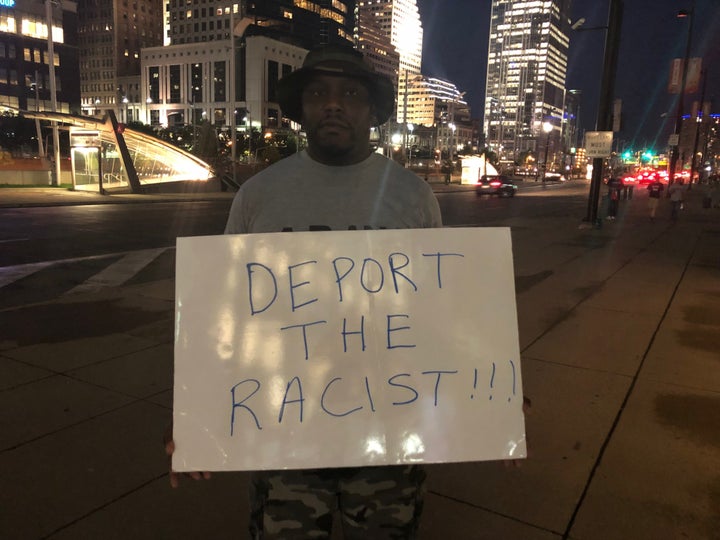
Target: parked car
x,y
499,185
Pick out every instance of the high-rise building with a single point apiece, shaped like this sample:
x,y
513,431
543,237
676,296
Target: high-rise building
x,y
111,35
526,72
399,22
25,59
375,46
433,102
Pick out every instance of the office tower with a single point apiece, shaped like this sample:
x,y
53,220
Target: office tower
x,y
378,51
526,72
25,56
437,103
399,22
207,71
111,35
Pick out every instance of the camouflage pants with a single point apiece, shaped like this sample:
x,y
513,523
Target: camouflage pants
x,y
377,503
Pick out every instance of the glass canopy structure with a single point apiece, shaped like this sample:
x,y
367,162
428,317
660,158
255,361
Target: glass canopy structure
x,y
106,156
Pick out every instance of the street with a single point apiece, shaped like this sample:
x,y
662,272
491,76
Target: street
x,y
46,249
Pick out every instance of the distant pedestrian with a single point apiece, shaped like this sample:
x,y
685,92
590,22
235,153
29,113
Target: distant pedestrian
x,y
655,190
614,186
676,191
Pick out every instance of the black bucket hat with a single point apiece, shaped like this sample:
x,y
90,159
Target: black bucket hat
x,y
336,60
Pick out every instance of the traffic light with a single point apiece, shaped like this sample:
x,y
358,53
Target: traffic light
x,y
627,155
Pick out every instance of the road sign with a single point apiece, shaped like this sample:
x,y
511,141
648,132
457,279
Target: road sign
x,y
674,139
598,143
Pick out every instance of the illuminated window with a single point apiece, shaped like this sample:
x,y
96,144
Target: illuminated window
x,y
27,55
7,23
287,14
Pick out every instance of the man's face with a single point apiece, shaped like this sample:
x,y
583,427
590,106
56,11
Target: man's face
x,y
337,116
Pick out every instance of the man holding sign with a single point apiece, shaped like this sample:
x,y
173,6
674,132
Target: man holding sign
x,y
338,183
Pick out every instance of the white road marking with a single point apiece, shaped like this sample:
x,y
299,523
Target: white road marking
x,y
8,240
130,263
119,272
9,274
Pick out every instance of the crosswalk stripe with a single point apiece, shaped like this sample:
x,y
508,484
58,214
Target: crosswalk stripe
x,y
120,271
9,274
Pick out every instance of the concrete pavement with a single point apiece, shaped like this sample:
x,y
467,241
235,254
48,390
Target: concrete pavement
x,y
620,343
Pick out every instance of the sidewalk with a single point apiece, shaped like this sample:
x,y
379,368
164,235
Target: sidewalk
x,y
620,344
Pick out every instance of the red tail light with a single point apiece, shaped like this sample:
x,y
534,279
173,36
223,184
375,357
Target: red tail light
x,y
495,184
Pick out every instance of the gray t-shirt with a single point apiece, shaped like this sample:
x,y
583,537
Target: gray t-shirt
x,y
300,194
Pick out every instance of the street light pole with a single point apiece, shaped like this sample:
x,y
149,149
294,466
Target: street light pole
x,y
53,91
547,127
675,150
698,124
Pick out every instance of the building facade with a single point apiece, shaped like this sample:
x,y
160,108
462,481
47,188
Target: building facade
x,y
398,22
223,59
437,103
526,73
377,49
25,60
111,34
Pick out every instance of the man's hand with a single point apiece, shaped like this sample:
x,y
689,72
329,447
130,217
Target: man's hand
x,y
169,450
516,463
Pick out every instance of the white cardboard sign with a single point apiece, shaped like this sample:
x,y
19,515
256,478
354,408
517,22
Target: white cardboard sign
x,y
346,348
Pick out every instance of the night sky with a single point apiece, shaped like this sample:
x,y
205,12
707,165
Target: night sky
x,y
455,48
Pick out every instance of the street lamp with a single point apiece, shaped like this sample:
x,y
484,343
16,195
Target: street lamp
x,y
410,128
451,142
148,102
53,89
248,121
547,127
125,101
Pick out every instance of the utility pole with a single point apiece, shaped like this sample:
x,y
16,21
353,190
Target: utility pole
x,y
607,88
53,91
675,151
698,124
233,121
41,148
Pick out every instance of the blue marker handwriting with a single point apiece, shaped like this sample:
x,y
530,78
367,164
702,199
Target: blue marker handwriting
x,y
307,281
251,408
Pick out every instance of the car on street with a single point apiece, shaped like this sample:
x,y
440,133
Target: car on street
x,y
554,177
499,185
628,180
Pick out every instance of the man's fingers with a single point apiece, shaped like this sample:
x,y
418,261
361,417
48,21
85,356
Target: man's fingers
x,y
170,447
174,479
